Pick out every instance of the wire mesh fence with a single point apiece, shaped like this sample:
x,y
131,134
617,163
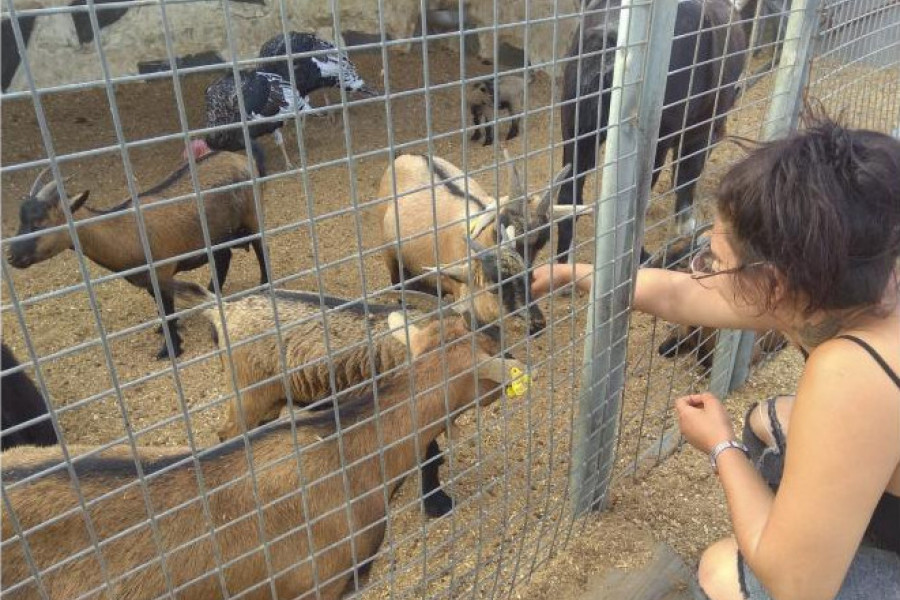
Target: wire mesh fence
x,y
398,169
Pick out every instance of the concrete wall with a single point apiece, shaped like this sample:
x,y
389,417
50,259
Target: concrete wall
x,y
61,46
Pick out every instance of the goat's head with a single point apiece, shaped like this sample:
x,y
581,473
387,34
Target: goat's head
x,y
450,341
500,284
482,93
42,209
522,218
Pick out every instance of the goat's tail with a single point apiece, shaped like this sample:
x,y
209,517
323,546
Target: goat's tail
x,y
191,292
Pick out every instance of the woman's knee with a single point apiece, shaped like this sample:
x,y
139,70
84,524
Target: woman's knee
x,y
718,571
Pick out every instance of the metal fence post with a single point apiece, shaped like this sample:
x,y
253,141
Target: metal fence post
x,y
641,67
731,363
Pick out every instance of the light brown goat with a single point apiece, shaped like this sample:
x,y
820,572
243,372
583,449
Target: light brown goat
x,y
316,346
411,223
173,229
310,505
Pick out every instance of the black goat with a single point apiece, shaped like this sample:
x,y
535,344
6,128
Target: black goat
x,y
22,402
706,61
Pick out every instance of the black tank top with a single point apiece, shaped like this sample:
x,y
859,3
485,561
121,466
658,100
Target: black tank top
x,y
884,528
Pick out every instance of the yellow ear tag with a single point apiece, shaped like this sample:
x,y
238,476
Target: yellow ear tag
x,y
519,383
472,226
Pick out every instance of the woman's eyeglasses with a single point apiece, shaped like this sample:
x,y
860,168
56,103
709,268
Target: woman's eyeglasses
x,y
703,265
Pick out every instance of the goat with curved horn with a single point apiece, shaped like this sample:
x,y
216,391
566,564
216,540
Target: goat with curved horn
x,y
433,194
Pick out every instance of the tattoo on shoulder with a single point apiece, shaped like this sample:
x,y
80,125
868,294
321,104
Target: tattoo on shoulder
x,y
813,334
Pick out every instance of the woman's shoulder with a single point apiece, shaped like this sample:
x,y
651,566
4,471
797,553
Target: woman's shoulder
x,y
857,365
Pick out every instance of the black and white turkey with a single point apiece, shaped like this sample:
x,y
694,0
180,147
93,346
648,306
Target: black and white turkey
x,y
327,67
265,94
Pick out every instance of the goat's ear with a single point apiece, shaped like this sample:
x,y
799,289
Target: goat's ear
x,y
79,200
516,190
546,204
510,232
398,325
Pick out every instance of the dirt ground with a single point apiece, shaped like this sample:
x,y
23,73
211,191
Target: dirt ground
x,y
509,473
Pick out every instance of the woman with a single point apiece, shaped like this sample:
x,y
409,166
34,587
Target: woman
x,y
805,241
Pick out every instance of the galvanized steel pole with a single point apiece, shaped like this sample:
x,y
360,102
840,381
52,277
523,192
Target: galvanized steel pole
x,y
642,59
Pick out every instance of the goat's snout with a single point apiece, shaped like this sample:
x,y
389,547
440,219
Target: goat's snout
x,y
669,348
19,257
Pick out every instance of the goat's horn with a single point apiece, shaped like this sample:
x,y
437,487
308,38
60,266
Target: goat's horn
x,y
567,210
480,223
458,273
554,189
37,182
49,191
515,184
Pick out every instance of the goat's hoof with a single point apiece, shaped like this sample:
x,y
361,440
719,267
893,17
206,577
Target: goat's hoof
x,y
488,142
438,503
164,352
476,136
668,349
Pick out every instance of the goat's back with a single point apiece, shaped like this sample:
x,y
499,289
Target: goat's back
x,y
346,342
421,210
226,211
184,530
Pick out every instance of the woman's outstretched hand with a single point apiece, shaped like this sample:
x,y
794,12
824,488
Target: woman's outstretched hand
x,y
579,273
544,283
703,420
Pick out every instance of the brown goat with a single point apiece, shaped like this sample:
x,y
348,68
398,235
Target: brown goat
x,y
173,229
314,511
419,215
255,359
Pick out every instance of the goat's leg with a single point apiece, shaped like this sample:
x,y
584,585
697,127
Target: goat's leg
x,y
662,148
574,193
476,118
513,129
393,267
168,302
489,130
256,243
222,259
437,502
692,158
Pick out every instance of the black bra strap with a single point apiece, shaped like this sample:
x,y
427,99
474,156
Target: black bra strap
x,y
874,353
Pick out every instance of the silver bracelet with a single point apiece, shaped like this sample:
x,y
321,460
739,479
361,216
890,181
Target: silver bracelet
x,y
720,448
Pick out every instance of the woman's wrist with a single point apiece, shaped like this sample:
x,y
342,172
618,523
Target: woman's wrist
x,y
723,447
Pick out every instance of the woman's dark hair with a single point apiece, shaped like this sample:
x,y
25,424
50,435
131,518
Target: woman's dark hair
x,y
823,206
